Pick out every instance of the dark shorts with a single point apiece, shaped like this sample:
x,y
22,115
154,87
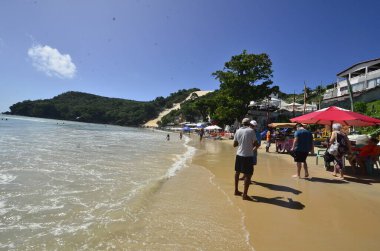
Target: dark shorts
x,y
254,158
244,164
300,156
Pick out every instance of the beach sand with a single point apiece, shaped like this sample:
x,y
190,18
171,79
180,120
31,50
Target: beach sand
x,y
319,213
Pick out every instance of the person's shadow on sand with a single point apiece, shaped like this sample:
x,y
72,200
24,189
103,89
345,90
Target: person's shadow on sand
x,y
277,187
366,181
323,180
291,204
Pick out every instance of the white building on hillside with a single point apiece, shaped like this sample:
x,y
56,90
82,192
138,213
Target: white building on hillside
x,y
274,104
362,76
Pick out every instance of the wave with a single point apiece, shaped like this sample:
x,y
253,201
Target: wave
x,y
182,159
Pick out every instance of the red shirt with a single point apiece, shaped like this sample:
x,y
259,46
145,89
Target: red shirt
x,y
369,150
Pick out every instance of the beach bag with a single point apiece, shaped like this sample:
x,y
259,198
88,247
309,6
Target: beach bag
x,y
334,148
328,157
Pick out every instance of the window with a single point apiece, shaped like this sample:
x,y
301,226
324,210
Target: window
x,y
358,87
371,83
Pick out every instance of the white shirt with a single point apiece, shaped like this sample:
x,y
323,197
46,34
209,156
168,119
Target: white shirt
x,y
245,136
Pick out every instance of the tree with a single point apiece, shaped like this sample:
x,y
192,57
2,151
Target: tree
x,y
245,77
319,91
360,107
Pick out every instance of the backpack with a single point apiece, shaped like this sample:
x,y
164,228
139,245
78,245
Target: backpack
x,y
343,144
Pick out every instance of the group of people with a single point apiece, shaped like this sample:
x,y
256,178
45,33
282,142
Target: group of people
x,y
365,156
247,139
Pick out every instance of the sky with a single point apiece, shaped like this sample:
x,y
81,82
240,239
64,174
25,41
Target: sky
x,y
143,49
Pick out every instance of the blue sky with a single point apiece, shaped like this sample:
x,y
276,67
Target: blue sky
x,y
142,49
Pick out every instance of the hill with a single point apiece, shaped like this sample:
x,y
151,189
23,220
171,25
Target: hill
x,y
91,108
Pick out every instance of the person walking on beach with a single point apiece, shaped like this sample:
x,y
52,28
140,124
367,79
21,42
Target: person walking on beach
x,y
302,145
344,148
245,140
268,138
168,137
180,135
201,133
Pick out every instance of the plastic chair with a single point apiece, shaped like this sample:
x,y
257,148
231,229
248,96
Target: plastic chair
x,y
320,154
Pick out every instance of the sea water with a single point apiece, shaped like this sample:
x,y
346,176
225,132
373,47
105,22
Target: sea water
x,y
62,182
79,186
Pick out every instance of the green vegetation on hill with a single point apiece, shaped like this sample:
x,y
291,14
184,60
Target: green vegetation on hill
x,y
371,109
86,107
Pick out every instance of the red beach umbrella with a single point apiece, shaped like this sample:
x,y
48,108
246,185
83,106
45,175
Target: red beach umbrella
x,y
333,114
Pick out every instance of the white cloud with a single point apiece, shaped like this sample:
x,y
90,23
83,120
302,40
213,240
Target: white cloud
x,y
52,62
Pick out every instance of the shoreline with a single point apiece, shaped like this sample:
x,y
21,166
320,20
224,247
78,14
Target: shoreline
x,y
289,213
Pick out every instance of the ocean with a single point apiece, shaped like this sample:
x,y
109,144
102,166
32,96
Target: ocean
x,y
79,186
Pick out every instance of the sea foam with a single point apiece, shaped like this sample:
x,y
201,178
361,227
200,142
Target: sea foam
x,y
6,178
181,159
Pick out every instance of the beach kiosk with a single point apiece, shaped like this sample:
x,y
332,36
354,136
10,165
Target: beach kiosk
x,y
284,137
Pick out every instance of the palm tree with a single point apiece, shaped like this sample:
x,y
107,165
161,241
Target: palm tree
x,y
320,90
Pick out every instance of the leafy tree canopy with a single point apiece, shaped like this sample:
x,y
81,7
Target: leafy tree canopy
x,y
244,78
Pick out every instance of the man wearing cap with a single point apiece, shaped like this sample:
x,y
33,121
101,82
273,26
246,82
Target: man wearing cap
x,y
253,125
302,145
245,139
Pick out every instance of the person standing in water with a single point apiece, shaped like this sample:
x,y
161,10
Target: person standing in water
x,y
253,125
245,140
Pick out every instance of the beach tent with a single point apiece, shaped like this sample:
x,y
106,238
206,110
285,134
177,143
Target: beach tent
x,y
333,114
213,127
293,104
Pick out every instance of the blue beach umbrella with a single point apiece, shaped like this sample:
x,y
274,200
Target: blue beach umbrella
x,y
186,128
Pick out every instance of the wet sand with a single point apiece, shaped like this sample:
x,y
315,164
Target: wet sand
x,y
318,213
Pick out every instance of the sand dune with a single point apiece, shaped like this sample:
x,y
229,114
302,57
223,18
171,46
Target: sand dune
x,y
153,122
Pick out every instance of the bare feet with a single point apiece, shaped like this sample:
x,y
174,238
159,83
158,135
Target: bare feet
x,y
295,176
334,174
238,193
246,197
307,175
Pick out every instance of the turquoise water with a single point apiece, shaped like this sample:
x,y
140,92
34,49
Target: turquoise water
x,y
67,185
